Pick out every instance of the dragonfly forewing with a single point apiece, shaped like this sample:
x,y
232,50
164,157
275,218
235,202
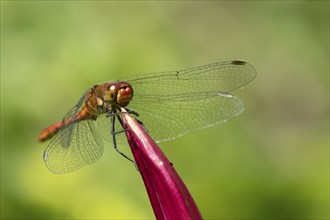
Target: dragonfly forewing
x,y
221,77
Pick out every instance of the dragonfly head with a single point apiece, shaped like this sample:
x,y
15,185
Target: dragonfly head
x,y
120,93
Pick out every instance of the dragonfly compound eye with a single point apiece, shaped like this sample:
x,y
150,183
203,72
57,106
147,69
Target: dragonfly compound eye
x,y
124,95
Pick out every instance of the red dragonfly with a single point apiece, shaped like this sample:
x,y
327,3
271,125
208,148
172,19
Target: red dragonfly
x,y
170,104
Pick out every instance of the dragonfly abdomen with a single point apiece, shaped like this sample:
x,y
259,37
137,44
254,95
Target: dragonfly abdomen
x,y
50,131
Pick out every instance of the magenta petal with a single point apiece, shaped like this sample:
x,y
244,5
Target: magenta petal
x,y
169,197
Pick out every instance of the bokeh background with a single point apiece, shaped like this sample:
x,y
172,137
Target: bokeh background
x,y
270,162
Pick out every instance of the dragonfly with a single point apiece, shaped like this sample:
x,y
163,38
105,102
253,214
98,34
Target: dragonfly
x,y
169,104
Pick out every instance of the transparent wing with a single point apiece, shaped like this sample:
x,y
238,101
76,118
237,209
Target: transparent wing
x,y
83,146
174,103
222,77
178,116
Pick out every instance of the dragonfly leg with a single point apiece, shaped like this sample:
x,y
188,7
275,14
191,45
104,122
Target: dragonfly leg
x,y
135,113
113,132
132,112
140,122
113,129
113,113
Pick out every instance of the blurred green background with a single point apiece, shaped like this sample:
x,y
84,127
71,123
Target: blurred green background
x,y
270,162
